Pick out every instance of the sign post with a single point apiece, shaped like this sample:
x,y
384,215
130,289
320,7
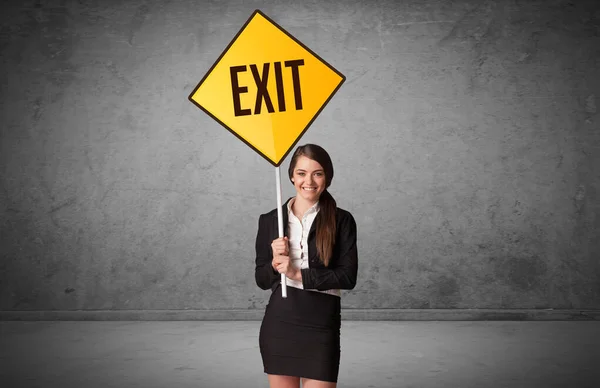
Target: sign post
x,y
280,224
267,88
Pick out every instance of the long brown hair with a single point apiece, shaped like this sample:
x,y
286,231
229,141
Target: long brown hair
x,y
326,225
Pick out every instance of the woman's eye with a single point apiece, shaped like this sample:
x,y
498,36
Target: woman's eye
x,y
301,173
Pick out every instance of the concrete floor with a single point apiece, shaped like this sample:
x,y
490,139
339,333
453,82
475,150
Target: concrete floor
x,y
225,354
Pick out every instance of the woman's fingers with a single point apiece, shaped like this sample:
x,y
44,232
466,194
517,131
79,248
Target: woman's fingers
x,y
281,263
280,245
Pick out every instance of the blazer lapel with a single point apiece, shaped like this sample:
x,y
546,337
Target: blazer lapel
x,y
313,228
284,214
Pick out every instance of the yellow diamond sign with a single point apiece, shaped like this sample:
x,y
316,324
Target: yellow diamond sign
x,y
267,88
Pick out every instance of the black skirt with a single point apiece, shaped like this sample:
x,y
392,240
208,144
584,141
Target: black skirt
x,y
300,335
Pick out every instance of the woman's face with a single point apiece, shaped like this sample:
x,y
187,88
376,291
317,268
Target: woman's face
x,y
308,179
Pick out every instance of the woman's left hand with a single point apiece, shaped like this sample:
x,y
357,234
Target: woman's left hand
x,y
283,264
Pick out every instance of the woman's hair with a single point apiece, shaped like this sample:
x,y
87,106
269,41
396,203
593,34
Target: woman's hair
x,y
325,220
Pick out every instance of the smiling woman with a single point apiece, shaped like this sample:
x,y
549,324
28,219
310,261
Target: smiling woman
x,y
311,172
308,179
300,335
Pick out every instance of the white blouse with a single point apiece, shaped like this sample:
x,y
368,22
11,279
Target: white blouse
x,y
298,242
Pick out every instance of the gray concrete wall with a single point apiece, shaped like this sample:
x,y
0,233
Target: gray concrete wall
x,y
465,141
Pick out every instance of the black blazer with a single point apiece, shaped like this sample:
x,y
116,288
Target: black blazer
x,y
343,266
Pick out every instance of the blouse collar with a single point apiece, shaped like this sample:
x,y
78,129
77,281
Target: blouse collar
x,y
313,209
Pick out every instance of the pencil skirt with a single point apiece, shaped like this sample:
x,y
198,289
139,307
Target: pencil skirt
x,y
300,335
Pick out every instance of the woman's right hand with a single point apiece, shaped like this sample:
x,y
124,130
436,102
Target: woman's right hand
x,y
281,252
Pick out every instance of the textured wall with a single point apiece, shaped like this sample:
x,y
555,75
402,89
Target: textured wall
x,y
465,142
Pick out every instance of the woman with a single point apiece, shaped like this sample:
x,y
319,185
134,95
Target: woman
x,y
300,335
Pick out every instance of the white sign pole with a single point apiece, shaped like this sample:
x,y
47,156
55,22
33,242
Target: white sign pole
x,y
280,225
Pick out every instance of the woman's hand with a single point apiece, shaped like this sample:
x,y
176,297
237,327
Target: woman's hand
x,y
280,247
281,259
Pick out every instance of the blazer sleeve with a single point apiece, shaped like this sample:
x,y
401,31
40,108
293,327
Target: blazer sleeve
x,y
264,273
343,273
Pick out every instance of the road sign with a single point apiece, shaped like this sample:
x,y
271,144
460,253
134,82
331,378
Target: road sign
x,y
267,88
